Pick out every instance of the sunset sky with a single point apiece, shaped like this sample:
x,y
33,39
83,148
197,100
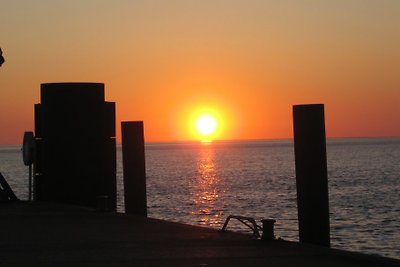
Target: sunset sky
x,y
246,62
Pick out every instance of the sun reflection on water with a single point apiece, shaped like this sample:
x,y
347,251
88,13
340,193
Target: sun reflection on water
x,y
207,188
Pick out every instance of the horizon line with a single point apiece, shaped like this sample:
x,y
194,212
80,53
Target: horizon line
x,y
247,140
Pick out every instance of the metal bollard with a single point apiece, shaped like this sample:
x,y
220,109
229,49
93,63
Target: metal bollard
x,y
268,229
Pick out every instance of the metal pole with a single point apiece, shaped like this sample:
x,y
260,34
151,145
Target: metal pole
x,y
311,174
30,182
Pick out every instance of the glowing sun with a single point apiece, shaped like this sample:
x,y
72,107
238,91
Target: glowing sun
x,y
206,125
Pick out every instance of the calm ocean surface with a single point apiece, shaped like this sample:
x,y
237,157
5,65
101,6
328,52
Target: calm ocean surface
x,y
201,184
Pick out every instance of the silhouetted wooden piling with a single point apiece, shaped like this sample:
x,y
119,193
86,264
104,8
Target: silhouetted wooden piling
x,y
134,167
311,174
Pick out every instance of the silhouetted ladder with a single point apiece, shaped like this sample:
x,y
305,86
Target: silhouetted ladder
x,y
6,193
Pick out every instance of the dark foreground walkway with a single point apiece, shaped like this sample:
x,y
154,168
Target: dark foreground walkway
x,y
39,234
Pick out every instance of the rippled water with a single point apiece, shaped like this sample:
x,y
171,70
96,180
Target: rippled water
x,y
202,184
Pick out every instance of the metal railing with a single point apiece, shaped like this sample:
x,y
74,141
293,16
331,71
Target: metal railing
x,y
248,221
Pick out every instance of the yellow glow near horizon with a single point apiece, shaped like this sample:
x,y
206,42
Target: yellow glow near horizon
x,y
206,125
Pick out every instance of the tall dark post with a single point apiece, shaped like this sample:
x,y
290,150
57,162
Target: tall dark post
x,y
134,167
75,158
311,174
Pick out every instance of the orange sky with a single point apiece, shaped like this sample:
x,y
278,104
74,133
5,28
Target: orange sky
x,y
249,61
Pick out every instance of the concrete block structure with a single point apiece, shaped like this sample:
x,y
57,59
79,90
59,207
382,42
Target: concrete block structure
x,y
75,159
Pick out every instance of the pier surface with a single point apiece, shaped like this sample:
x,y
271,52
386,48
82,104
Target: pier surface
x,y
44,234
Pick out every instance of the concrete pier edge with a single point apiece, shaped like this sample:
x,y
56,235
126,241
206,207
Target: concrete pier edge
x,y
48,234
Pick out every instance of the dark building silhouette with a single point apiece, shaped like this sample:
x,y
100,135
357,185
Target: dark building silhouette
x,y
75,135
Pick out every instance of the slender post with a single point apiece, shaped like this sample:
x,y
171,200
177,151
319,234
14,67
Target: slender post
x,y
134,167
28,156
311,174
30,183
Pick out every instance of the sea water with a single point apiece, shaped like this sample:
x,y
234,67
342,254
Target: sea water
x,y
203,183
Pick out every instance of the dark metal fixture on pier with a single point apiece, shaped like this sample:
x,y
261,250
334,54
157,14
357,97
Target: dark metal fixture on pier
x,y
28,156
6,193
267,229
2,60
